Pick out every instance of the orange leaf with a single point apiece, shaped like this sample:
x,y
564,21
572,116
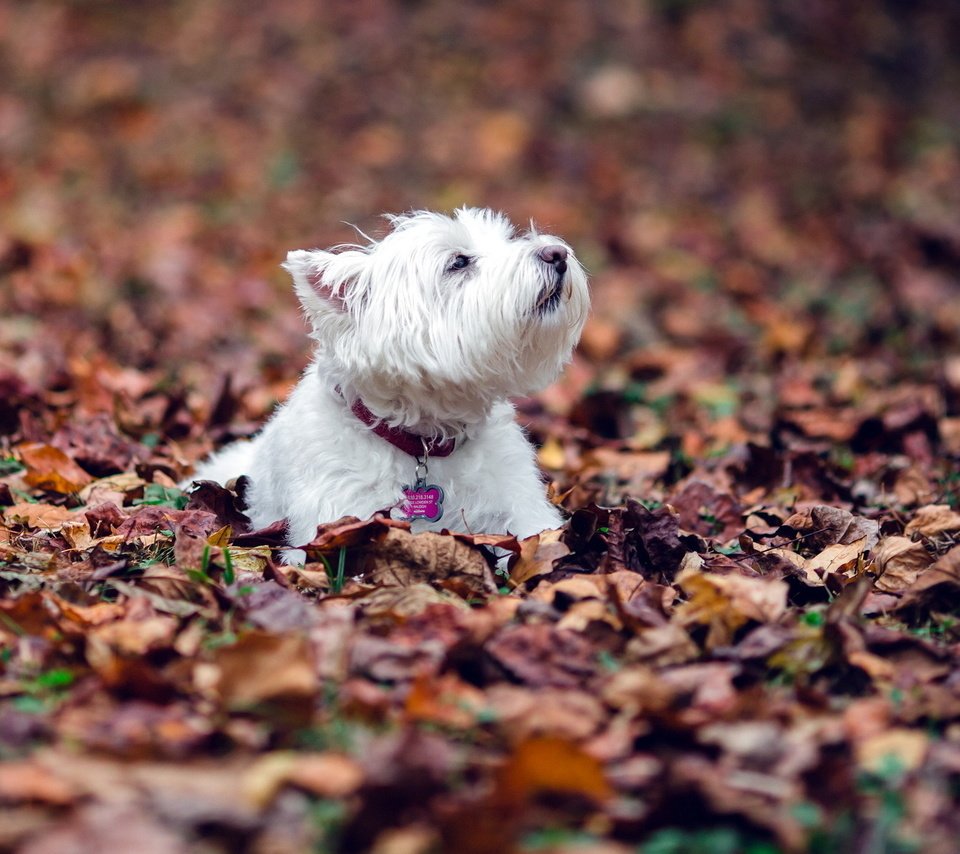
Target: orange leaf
x,y
51,469
548,764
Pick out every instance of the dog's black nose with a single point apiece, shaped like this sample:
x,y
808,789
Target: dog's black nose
x,y
555,256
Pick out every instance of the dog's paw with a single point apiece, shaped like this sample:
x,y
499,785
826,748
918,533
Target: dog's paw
x,y
293,557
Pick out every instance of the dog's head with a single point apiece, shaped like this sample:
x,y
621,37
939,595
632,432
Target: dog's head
x,y
444,315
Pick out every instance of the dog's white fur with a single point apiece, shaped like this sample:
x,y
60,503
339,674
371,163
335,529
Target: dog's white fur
x,y
426,346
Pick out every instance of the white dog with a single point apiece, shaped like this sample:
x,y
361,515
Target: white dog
x,y
421,339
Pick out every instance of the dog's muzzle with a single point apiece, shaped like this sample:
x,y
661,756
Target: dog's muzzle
x,y
554,256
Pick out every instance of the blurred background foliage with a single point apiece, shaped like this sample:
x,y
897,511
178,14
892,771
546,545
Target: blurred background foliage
x,y
766,182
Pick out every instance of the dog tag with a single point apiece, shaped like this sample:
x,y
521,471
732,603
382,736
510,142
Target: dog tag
x,y
422,502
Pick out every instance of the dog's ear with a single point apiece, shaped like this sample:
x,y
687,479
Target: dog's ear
x,y
326,281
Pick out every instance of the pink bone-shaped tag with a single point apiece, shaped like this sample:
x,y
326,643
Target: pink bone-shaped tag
x,y
422,502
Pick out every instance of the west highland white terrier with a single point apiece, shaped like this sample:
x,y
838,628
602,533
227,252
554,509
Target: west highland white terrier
x,y
421,338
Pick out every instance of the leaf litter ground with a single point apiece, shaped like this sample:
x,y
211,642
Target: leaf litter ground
x,y
744,638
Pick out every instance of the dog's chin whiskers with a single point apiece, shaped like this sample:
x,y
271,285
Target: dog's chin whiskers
x,y
551,296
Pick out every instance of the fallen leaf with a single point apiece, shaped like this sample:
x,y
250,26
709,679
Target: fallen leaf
x,y
96,444
563,713
822,526
25,780
106,827
107,488
941,580
803,565
445,700
904,747
662,646
77,534
262,667
836,558
757,742
541,655
47,517
724,603
403,559
639,689
932,520
551,455
550,764
403,602
706,511
51,469
135,636
325,775
538,554
899,561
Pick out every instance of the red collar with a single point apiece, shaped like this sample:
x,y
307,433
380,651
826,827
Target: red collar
x,y
409,443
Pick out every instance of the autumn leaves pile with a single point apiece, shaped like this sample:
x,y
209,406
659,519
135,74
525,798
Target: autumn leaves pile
x,y
680,669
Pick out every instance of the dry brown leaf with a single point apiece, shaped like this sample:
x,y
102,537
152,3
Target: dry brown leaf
x,y
26,780
836,558
874,666
538,554
711,686
110,488
662,646
522,713
404,559
252,560
912,486
90,616
350,532
800,562
77,534
899,562
261,667
135,636
541,655
105,827
824,423
627,466
305,577
932,520
498,138
942,575
906,747
220,537
48,517
623,584
949,429
866,717
581,614
822,525
727,602
572,589
326,775
412,839
754,741
401,602
638,688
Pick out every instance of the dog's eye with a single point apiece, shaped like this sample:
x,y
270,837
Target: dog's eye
x,y
460,262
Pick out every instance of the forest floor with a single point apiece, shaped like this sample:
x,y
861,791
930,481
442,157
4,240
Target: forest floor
x,y
746,635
